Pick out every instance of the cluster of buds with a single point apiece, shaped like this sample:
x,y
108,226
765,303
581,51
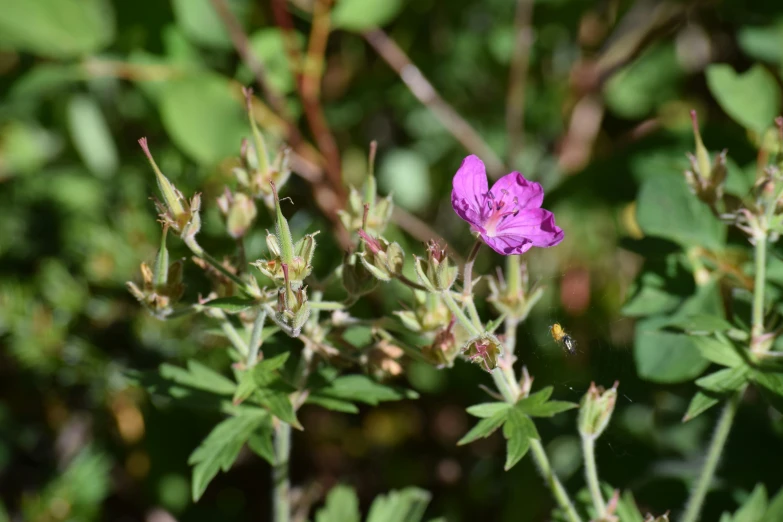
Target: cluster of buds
x,y
162,285
257,173
239,210
293,310
595,410
366,211
428,314
484,350
511,294
444,348
175,212
288,267
705,180
382,259
436,273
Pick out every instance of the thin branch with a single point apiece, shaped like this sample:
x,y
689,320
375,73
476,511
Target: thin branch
x,y
427,95
310,92
520,61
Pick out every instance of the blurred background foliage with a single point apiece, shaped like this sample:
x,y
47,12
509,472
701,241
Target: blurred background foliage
x,y
607,89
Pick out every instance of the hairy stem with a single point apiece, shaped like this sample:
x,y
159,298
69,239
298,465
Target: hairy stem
x,y
591,475
758,286
255,338
467,282
693,507
459,315
413,284
217,265
559,492
282,484
232,334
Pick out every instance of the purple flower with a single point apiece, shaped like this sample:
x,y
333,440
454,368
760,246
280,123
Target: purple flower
x,y
508,216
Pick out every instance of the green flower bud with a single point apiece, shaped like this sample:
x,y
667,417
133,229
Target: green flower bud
x,y
483,350
510,294
382,259
704,181
357,279
596,409
428,314
443,349
365,211
437,274
174,211
162,287
239,211
293,309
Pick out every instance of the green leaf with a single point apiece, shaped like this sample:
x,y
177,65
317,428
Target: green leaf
x,y
667,357
754,507
199,377
220,448
200,22
342,505
699,324
232,305
535,399
91,136
775,509
406,174
762,42
548,409
647,82
724,381
518,430
56,28
771,381
330,403
484,428
406,505
361,15
488,409
700,403
261,441
363,389
718,350
732,91
203,116
269,46
667,209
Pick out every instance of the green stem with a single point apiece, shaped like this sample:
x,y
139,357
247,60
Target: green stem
x,y
233,335
591,474
282,485
255,338
459,314
559,492
693,507
467,282
508,387
758,287
217,265
413,284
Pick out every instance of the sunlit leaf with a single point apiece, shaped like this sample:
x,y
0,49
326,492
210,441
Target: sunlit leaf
x,y
732,89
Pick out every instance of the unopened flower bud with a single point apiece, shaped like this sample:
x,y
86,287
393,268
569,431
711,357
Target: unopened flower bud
x,y
443,349
428,314
437,274
175,211
661,518
382,259
365,210
293,309
483,350
239,211
357,279
162,286
596,409
705,181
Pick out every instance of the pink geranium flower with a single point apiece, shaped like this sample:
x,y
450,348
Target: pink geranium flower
x,y
508,216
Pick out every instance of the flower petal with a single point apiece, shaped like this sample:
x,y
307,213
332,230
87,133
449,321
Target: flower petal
x,y
529,194
507,245
535,225
470,189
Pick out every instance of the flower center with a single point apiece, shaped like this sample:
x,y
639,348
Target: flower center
x,y
499,210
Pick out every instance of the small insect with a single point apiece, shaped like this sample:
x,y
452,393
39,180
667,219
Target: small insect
x,y
563,339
